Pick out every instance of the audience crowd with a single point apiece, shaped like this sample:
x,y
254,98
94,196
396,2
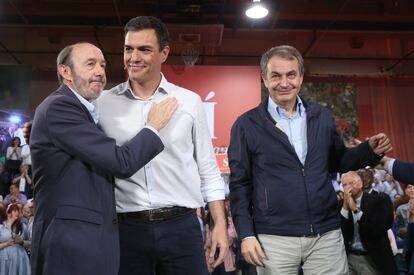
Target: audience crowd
x,y
377,187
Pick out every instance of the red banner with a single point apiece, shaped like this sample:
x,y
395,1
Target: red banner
x,y
227,92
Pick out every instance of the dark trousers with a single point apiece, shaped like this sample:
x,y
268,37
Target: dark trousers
x,y
168,247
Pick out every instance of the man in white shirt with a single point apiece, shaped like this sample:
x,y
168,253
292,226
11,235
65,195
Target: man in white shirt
x,y
159,230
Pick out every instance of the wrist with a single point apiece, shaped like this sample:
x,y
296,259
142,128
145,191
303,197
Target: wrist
x,y
221,222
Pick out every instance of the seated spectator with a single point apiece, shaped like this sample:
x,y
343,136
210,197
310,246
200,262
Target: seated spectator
x,y
24,181
409,238
26,158
392,187
13,256
27,219
401,206
366,219
367,177
15,196
14,157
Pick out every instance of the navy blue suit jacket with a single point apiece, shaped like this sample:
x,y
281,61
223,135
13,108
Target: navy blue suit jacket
x,y
403,171
75,228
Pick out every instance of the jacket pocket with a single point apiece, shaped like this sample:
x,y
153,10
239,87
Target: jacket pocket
x,y
266,198
69,212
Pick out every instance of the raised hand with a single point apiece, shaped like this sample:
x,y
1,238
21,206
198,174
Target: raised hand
x,y
380,144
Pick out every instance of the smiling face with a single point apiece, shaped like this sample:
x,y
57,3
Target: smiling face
x,y
283,80
142,56
87,73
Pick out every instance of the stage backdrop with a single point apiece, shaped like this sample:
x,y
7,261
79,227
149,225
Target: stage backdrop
x,y
227,92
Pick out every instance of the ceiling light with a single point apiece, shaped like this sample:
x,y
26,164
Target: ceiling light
x,y
256,10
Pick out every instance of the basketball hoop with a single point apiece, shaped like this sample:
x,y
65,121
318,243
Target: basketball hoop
x,y
189,55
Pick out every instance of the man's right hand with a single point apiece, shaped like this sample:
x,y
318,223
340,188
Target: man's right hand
x,y
252,251
161,113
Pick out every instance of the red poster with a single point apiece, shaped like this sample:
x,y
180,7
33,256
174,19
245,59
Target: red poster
x,y
223,163
227,92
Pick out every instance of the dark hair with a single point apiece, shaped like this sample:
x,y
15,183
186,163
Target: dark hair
x,y
284,51
15,184
15,138
16,227
367,177
140,23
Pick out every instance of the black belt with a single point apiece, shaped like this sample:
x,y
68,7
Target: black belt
x,y
359,252
159,214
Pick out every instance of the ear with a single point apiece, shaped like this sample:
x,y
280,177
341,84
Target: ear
x,y
164,53
65,72
265,81
300,80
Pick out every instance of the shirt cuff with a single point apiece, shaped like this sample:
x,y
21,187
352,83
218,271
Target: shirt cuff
x,y
152,129
345,213
390,166
249,237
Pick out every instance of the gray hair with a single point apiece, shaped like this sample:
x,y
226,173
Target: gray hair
x,y
284,51
353,174
64,58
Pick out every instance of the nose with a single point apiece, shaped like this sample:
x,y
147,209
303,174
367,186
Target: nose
x,y
99,70
135,55
283,81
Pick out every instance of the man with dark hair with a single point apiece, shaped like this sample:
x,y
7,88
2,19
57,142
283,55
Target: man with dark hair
x,y
281,154
75,227
367,176
158,226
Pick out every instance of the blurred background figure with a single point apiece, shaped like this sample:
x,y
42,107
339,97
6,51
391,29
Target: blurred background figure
x,y
13,238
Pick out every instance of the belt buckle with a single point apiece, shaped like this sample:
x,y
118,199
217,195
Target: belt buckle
x,y
152,216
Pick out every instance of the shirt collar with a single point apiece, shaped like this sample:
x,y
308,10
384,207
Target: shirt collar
x,y
164,87
300,108
89,105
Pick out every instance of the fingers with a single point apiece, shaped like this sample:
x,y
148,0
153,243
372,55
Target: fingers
x,y
161,113
252,252
220,258
212,251
380,143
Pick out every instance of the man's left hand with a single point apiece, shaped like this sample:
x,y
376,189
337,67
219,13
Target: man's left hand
x,y
380,144
219,242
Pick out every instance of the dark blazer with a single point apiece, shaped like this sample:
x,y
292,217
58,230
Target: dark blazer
x,y
376,219
403,171
271,192
75,227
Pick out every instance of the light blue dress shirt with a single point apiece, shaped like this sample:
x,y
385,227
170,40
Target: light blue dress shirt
x,y
294,127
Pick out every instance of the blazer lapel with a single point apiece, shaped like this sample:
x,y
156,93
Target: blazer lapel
x,y
271,127
68,92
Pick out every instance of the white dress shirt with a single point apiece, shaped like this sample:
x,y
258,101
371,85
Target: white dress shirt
x,y
356,242
185,173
